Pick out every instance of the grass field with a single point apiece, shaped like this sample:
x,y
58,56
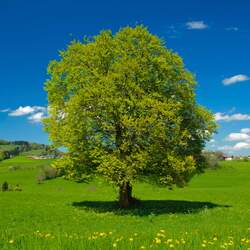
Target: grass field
x,y
8,147
33,152
213,212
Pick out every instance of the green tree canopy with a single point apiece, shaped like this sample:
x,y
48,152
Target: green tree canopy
x,y
124,107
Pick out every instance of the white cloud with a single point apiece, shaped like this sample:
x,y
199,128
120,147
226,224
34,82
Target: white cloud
x,y
245,130
234,117
241,145
37,117
21,111
196,25
238,137
235,79
238,146
243,139
35,113
5,110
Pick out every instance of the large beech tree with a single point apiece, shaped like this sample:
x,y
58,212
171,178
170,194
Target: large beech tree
x,y
124,107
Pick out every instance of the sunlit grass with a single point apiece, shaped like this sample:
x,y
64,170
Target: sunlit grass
x,y
211,213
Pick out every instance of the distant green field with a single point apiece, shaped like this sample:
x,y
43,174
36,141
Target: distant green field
x,y
213,212
8,147
24,162
33,152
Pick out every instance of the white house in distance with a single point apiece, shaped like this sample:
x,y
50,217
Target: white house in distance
x,y
228,158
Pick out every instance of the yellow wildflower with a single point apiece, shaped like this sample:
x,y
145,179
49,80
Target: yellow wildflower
x,y
160,235
157,241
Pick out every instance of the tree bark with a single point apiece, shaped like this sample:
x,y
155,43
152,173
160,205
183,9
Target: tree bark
x,y
125,195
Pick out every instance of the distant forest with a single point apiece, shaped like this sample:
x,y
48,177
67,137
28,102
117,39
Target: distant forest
x,y
9,149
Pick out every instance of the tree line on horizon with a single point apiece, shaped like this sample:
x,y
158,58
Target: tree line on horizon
x,y
9,149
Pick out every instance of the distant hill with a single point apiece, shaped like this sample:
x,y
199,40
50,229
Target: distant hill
x,y
9,149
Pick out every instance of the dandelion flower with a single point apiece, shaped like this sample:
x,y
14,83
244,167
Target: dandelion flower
x,y
157,241
169,240
11,241
160,235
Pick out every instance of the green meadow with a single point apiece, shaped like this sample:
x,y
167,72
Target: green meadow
x,y
212,212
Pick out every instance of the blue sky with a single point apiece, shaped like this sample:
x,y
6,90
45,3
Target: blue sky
x,y
213,38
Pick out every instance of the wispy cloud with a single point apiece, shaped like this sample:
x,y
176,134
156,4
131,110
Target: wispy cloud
x,y
238,146
35,113
196,25
245,130
238,137
26,110
232,28
5,110
243,138
232,117
37,117
235,79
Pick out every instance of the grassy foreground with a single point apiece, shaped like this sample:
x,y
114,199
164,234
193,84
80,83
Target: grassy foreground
x,y
213,212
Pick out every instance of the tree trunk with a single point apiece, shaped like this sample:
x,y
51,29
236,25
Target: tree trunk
x,y
125,195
